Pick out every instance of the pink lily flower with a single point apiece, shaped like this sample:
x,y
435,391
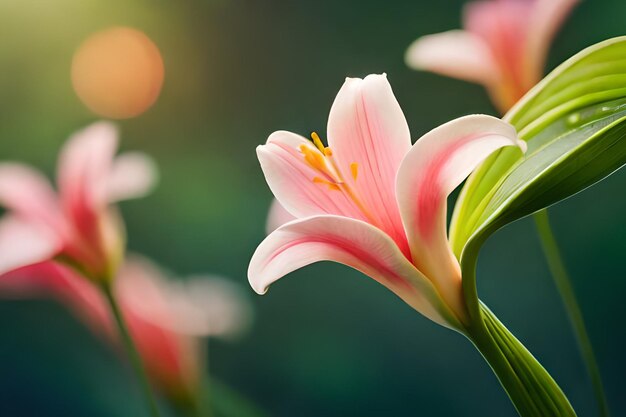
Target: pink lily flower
x,y
372,201
77,225
167,319
276,217
504,46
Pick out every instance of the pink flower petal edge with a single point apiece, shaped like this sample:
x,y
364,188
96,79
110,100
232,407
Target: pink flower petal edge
x,y
437,164
456,54
347,241
23,244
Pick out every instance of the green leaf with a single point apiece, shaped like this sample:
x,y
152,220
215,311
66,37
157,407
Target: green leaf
x,y
529,386
574,122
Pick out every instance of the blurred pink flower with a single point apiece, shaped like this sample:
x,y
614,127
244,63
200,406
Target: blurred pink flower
x,y
166,318
76,225
372,201
504,46
277,216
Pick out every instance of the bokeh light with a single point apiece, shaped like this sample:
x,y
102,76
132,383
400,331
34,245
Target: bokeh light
x,y
118,72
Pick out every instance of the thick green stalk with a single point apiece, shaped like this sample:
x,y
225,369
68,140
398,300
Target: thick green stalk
x,y
531,389
564,286
131,349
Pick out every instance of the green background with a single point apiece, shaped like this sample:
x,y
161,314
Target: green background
x,y
326,341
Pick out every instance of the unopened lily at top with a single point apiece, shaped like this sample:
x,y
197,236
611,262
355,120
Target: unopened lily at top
x,y
503,46
373,201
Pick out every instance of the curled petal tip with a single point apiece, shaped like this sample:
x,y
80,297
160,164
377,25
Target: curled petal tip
x,y
255,283
260,290
413,56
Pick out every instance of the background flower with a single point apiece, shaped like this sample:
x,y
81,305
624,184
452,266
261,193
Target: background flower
x,y
168,319
76,225
503,46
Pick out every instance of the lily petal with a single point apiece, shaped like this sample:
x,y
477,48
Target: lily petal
x,y
171,357
277,216
27,193
23,243
435,166
455,53
36,280
351,242
84,169
210,306
369,136
292,180
201,306
132,175
504,27
546,18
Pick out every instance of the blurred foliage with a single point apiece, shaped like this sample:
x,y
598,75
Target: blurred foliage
x,y
327,341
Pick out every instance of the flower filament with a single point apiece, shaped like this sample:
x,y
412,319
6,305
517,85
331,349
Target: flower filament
x,y
320,158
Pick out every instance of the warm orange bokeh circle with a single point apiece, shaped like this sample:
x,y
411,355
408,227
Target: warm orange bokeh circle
x,y
118,72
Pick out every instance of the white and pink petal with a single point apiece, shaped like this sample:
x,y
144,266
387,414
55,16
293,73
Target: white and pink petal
x,y
369,136
132,175
23,243
457,54
435,166
546,18
350,242
84,169
29,194
293,181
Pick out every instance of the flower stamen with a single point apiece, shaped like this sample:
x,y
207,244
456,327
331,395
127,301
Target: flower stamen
x,y
317,141
354,170
321,159
331,185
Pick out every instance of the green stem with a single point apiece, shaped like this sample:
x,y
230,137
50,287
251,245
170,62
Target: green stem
x,y
564,286
205,404
131,349
531,389
205,382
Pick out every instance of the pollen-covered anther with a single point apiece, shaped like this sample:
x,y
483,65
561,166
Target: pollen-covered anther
x,y
354,170
317,141
320,145
331,185
313,158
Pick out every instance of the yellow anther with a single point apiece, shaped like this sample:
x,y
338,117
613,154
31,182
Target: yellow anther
x,y
320,159
354,170
313,158
331,185
317,141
